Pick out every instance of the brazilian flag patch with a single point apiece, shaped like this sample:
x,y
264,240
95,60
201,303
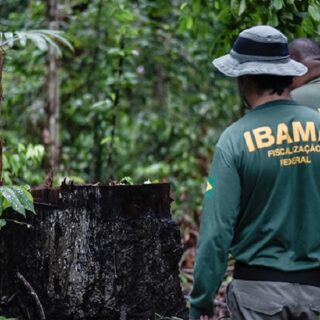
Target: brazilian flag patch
x,y
209,188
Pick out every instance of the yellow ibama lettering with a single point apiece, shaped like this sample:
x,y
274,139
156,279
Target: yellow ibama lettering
x,y
249,142
264,137
301,134
283,134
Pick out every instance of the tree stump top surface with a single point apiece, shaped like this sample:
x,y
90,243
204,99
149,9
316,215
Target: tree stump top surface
x,y
129,200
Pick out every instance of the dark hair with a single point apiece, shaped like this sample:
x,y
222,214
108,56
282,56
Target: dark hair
x,y
277,84
303,48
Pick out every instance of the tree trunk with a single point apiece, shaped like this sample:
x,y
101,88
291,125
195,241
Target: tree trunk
x,y
51,134
1,98
115,112
160,88
94,253
93,78
1,69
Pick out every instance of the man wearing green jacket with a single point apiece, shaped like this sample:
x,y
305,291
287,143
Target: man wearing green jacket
x,y
306,88
262,202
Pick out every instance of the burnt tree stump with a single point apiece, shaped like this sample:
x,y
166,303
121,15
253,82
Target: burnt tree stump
x,y
94,252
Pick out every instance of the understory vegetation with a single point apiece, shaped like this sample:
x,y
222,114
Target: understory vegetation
x,y
136,96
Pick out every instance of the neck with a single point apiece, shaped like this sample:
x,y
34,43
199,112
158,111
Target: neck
x,y
257,100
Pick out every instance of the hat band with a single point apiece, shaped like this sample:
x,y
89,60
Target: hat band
x,y
241,58
254,48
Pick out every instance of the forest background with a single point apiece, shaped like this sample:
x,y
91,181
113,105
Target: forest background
x,y
136,98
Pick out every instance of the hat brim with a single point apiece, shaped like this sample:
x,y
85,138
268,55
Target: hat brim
x,y
232,68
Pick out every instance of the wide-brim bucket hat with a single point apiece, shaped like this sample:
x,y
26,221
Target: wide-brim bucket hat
x,y
259,50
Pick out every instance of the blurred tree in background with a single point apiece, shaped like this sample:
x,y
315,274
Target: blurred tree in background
x,y
138,97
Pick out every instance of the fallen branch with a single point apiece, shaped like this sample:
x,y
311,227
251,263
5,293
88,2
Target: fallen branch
x,y
33,294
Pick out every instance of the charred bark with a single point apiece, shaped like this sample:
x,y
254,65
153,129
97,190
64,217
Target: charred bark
x,y
94,253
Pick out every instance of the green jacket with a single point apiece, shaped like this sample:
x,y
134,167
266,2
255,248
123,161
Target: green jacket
x,y
308,94
263,198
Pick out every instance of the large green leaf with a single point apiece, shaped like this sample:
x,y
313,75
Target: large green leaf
x,y
242,7
18,198
12,199
278,4
40,38
314,12
24,196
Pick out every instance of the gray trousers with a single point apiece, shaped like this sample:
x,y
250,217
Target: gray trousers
x,y
262,300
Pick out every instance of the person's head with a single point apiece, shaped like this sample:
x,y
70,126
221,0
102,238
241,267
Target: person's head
x,y
260,60
303,48
307,52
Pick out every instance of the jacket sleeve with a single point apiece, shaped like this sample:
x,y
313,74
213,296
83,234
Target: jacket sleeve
x,y
220,211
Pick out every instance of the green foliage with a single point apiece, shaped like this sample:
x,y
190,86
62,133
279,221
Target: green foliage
x,y
40,38
21,164
126,180
139,96
4,318
224,19
16,197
